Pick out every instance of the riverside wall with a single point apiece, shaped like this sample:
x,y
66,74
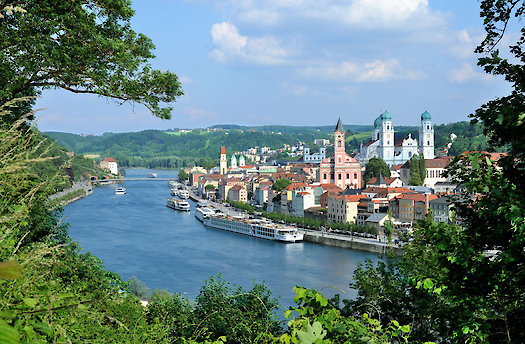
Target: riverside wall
x,y
351,243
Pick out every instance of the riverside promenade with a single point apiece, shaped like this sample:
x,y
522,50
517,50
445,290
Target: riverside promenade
x,y
324,237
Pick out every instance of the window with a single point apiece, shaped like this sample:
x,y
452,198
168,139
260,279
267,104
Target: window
x,y
324,175
428,127
348,176
355,175
339,144
339,176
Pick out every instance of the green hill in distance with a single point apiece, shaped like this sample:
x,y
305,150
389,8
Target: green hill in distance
x,y
177,148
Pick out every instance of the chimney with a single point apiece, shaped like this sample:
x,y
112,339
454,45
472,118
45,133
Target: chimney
x,y
426,203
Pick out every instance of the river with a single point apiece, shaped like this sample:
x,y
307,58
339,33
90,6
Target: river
x,y
137,235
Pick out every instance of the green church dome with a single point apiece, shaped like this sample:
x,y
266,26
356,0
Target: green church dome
x,y
386,116
425,116
377,122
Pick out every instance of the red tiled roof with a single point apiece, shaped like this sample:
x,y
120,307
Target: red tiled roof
x,y
109,160
295,186
237,188
223,150
369,143
416,197
388,180
330,186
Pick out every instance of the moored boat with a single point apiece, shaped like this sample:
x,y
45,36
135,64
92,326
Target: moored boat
x,y
203,212
257,228
184,194
120,191
178,204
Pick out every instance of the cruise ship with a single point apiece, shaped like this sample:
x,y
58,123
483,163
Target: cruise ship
x,y
252,227
178,204
202,212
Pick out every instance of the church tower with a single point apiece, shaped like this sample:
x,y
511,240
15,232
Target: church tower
x,y
223,164
339,144
233,162
386,138
426,136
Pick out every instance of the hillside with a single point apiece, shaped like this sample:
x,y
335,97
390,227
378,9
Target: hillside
x,y
174,148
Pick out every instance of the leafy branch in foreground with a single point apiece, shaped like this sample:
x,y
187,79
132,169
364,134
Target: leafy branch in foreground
x,y
83,46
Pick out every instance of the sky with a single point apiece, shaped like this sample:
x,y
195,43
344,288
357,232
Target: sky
x,y
298,62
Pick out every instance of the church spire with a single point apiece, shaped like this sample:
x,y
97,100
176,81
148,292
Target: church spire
x,y
339,126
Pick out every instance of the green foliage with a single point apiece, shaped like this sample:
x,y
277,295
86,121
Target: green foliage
x,y
320,321
207,163
241,205
137,288
389,227
281,184
374,167
183,175
83,47
317,224
417,170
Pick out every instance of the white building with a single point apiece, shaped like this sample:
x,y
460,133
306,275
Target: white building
x,y
383,143
109,164
314,157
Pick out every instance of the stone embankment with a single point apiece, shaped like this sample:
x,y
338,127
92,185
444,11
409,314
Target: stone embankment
x,y
78,191
351,242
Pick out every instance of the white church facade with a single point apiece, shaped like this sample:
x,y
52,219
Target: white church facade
x,y
394,151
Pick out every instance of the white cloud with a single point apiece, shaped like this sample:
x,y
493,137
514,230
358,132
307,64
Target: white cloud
x,y
367,13
465,44
377,70
185,80
231,45
467,73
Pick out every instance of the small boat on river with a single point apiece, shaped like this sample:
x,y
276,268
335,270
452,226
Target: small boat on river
x,y
120,191
178,204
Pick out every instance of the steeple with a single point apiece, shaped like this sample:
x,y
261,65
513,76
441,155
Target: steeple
x,y
339,126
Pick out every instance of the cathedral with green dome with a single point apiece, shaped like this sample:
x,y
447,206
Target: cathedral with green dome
x,y
397,150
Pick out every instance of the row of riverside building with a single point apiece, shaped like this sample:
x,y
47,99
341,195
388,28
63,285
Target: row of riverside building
x,y
332,188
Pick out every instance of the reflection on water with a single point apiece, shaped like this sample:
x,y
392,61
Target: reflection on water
x,y
137,235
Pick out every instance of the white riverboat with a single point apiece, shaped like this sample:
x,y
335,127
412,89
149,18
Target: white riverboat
x,y
153,175
120,191
184,194
257,228
203,212
178,204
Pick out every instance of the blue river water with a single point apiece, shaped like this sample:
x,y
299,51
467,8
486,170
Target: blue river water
x,y
137,235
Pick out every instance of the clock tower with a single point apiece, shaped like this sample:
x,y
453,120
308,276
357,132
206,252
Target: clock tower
x,y
339,144
341,169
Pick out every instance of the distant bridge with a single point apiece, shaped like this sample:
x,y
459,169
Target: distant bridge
x,y
127,179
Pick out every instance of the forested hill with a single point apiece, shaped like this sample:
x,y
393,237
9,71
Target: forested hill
x,y
174,148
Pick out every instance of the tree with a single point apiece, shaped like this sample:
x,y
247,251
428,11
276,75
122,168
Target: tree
x,y
207,163
376,166
417,176
209,188
280,184
183,175
472,276
82,46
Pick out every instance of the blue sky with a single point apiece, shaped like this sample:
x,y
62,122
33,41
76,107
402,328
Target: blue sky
x,y
298,62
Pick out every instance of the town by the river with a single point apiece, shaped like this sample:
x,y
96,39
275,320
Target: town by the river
x,y
137,235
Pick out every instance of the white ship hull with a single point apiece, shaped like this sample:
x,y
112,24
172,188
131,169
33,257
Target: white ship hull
x,y
178,204
255,228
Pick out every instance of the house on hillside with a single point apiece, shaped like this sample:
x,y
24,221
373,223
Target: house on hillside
x,y
109,164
